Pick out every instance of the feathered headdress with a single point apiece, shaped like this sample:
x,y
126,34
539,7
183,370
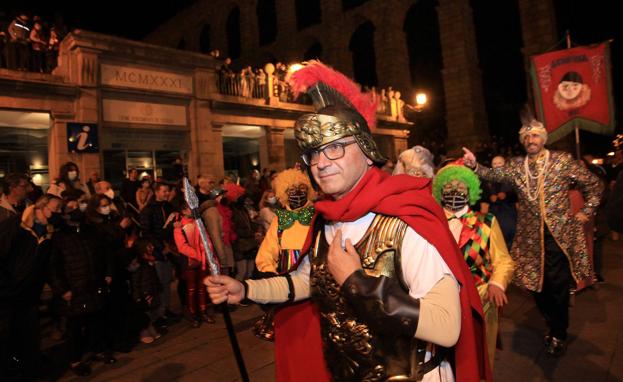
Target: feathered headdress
x,y
529,124
328,87
342,110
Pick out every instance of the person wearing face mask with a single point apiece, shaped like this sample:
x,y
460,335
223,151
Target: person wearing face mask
x,y
193,269
80,277
110,228
25,247
500,199
246,230
480,239
268,205
70,178
550,245
216,216
116,203
279,253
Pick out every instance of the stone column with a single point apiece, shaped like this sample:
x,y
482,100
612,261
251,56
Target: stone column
x,y
465,110
275,142
207,146
86,63
248,31
335,40
286,29
538,31
390,45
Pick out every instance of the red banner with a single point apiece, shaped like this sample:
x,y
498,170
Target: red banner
x,y
573,86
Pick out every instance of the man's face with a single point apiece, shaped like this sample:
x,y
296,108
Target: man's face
x,y
207,184
338,176
533,143
162,193
20,191
133,174
498,162
569,90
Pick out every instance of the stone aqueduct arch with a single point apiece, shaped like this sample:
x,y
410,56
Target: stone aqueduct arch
x,y
336,28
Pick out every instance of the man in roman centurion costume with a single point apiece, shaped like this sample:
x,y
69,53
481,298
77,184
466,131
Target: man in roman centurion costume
x,y
480,238
549,248
395,298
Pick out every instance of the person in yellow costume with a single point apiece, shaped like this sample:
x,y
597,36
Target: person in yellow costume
x,y
293,331
480,239
280,250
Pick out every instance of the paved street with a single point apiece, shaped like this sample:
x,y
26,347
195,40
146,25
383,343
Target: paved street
x,y
594,352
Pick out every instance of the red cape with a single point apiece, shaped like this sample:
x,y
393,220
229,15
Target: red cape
x,y
410,199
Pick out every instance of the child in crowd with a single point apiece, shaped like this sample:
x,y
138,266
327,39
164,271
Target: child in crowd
x,y
145,286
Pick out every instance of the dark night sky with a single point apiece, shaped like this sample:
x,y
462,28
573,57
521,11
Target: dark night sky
x,y
498,38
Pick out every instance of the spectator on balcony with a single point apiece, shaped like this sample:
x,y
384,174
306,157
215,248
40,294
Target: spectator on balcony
x,y
260,83
17,53
52,50
3,46
38,46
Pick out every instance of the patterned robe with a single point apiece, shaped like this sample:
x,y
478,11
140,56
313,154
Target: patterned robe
x,y
551,208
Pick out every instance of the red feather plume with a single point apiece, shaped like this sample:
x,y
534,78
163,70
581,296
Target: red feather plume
x,y
315,71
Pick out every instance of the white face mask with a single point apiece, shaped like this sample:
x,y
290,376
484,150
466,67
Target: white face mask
x,y
110,193
72,175
82,206
104,210
272,200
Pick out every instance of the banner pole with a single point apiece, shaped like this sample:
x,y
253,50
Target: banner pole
x,y
575,122
577,139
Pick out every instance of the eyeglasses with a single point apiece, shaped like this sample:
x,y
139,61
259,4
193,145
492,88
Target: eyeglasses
x,y
332,151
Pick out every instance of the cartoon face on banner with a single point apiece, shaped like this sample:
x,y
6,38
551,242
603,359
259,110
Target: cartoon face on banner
x,y
572,92
573,86
82,138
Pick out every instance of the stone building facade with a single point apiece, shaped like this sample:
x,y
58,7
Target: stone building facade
x,y
149,104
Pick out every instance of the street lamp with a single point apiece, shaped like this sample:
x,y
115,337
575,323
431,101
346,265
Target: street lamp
x,y
294,67
420,100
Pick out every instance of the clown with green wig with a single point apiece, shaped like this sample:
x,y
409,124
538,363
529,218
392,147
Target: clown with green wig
x,y
480,239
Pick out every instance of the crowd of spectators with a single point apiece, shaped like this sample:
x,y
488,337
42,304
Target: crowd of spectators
x,y
111,260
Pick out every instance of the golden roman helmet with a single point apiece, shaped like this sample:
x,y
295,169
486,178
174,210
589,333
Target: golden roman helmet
x,y
342,110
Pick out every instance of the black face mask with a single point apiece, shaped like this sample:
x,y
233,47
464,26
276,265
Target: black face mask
x,y
297,199
56,219
454,200
76,215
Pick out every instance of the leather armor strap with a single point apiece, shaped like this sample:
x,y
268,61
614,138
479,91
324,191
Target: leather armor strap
x,y
382,304
290,287
424,367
